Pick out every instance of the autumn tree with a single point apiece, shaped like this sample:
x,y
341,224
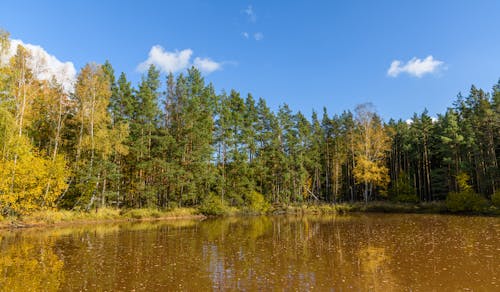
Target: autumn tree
x,y
371,146
96,139
29,179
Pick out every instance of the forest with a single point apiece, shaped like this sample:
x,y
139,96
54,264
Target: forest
x,y
173,141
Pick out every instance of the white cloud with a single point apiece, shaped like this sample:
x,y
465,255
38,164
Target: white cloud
x,y
415,67
45,65
206,65
252,17
258,36
166,61
250,13
177,61
433,120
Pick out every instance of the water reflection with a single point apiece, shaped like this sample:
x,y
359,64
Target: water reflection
x,y
29,264
364,252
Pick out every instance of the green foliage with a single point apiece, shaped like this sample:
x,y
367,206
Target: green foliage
x,y
213,205
465,201
179,143
495,199
402,190
255,202
406,198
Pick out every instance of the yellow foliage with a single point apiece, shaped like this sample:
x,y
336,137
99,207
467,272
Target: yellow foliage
x,y
463,182
371,171
112,140
256,202
371,145
7,125
30,265
28,181
306,189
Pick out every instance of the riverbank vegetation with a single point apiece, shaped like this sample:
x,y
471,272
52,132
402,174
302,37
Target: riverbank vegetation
x,y
173,142
53,217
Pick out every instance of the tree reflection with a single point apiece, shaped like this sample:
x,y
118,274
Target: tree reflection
x,y
29,264
359,252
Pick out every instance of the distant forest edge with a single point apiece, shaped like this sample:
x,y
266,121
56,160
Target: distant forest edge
x,y
174,142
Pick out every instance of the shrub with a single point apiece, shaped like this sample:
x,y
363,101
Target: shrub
x,y
213,205
402,190
465,201
407,198
142,213
256,202
495,199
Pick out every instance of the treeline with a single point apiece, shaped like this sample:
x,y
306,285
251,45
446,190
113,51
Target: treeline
x,y
173,141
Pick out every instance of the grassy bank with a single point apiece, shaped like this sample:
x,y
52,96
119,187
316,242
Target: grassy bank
x,y
65,217
379,207
342,208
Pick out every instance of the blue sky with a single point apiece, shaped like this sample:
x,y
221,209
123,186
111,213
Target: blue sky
x,y
308,54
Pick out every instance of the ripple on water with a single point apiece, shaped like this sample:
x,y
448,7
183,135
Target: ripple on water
x,y
361,252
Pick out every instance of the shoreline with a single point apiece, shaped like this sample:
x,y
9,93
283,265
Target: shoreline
x,y
18,225
58,218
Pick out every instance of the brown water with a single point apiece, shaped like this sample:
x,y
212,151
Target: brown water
x,y
376,252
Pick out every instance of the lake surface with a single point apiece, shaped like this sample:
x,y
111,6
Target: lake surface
x,y
377,252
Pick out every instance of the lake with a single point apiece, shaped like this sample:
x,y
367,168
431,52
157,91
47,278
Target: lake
x,y
377,252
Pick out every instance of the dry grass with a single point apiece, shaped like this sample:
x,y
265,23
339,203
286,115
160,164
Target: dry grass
x,y
61,217
155,213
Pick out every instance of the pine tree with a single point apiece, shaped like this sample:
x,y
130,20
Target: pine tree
x,y
144,129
